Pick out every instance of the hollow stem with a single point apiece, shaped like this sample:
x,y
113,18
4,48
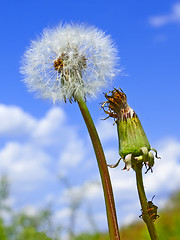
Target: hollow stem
x,y
105,178
143,200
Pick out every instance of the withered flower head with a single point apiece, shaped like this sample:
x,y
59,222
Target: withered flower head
x,y
117,106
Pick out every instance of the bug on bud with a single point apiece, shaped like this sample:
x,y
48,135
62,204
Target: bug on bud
x,y
152,210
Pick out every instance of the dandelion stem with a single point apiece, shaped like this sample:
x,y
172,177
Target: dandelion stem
x,y
143,200
105,178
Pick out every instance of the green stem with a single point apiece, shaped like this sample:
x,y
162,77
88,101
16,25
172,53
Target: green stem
x,y
143,200
106,183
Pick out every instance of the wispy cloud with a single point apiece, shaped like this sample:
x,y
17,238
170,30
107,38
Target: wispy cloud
x,y
172,17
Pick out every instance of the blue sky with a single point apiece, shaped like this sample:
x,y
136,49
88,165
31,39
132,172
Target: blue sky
x,y
38,140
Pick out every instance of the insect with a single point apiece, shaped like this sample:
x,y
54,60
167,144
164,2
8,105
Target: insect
x,y
152,210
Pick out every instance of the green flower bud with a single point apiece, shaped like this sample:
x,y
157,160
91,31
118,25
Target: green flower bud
x,y
131,134
134,146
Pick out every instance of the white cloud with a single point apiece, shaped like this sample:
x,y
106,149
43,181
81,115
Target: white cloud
x,y
82,222
63,215
166,175
14,121
89,190
33,166
130,218
172,17
33,162
25,165
30,210
73,153
50,129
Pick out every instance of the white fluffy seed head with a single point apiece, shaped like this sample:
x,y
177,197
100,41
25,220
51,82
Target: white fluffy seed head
x,y
69,62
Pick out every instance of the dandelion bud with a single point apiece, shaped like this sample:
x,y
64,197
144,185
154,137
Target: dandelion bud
x,y
130,131
131,134
133,143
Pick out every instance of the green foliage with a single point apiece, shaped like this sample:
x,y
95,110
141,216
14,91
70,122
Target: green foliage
x,y
39,226
2,232
4,188
30,233
168,226
96,236
4,193
23,226
134,231
37,221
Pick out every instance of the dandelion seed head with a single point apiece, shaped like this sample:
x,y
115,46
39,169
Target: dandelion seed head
x,y
69,62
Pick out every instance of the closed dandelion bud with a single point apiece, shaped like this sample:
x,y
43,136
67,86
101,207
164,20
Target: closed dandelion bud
x,y
131,134
133,143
